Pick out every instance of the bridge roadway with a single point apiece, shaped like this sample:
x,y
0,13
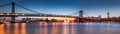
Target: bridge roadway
x,y
36,15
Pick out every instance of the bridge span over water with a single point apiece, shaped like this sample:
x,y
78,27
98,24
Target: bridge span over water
x,y
13,13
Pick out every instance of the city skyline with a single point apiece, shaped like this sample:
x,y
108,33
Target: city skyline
x,y
66,7
59,16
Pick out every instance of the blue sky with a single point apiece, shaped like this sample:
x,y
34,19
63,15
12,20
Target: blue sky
x,y
66,7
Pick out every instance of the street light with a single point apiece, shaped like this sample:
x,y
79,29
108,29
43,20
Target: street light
x,y
8,14
23,14
16,14
1,13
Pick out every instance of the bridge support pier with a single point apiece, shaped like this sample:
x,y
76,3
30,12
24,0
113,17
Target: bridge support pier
x,y
81,20
13,19
47,20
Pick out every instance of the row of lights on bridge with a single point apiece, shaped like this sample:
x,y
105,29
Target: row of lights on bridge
x,y
39,14
9,14
56,15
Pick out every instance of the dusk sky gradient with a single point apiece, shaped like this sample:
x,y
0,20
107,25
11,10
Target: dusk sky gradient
x,y
66,7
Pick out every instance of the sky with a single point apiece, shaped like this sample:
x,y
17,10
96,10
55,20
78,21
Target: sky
x,y
66,7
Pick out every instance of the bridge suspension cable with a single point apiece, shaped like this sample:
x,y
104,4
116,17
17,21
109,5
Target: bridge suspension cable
x,y
85,13
28,9
74,13
5,5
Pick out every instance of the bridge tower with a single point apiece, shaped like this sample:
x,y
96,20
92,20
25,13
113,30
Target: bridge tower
x,y
81,16
13,13
81,13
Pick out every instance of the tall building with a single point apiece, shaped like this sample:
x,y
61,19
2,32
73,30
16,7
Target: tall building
x,y
108,15
99,16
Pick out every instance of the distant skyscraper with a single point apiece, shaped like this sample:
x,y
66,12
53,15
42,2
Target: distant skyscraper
x,y
108,15
99,16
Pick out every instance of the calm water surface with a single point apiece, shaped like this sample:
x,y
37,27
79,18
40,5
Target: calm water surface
x,y
60,28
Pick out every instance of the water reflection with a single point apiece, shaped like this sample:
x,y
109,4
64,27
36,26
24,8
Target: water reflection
x,y
59,28
16,30
23,28
2,29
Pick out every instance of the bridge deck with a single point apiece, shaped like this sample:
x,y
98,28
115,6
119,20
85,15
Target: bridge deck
x,y
39,15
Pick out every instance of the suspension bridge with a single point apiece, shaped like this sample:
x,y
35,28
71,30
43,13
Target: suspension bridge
x,y
13,13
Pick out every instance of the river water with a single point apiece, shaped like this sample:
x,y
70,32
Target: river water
x,y
60,28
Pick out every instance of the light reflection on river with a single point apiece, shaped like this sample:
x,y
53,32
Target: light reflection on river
x,y
60,28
